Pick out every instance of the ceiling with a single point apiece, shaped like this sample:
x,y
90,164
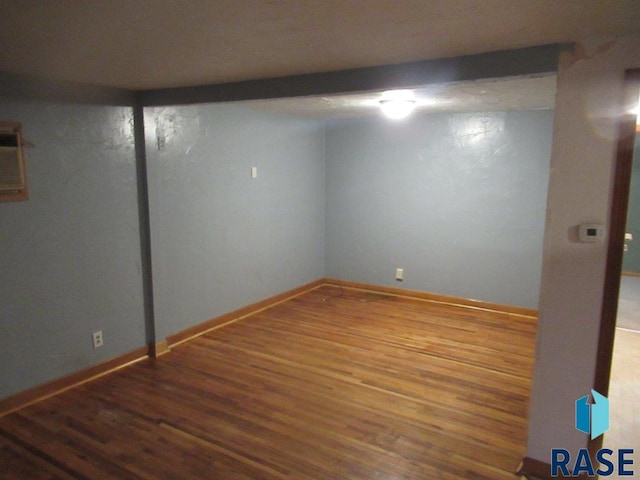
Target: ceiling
x,y
147,44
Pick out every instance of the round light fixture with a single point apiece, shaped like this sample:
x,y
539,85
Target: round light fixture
x,y
397,108
397,104
636,109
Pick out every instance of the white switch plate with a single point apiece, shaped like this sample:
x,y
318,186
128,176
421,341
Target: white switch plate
x,y
98,341
628,236
254,172
399,273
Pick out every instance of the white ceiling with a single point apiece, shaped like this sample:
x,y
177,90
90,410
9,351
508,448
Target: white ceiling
x,y
144,44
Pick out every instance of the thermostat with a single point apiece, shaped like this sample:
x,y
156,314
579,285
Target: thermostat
x,y
590,232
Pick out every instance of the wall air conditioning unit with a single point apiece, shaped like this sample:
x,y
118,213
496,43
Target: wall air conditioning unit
x,y
13,175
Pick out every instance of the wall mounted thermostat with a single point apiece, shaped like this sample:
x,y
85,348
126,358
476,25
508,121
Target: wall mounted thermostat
x,y
590,232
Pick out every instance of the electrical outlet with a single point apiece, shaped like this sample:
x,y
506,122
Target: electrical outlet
x,y
399,274
97,339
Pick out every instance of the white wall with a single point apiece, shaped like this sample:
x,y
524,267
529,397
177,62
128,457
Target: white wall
x,y
589,98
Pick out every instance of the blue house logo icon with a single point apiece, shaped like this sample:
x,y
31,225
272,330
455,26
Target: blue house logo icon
x,y
592,418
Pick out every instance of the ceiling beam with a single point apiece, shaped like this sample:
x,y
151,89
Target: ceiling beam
x,y
507,63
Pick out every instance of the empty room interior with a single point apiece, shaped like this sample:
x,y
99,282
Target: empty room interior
x,y
236,265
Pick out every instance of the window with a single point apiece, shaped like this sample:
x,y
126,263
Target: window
x,y
13,176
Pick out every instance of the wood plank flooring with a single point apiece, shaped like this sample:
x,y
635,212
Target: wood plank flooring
x,y
334,384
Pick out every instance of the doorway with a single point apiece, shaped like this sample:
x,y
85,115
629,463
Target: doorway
x,y
619,342
624,385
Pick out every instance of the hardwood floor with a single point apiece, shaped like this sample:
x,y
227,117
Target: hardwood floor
x,y
334,384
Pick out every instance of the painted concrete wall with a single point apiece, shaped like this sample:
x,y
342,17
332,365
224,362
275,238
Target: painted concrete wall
x,y
631,261
588,100
69,256
219,239
457,200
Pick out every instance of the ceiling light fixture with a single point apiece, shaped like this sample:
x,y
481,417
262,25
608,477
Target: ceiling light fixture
x,y
397,109
397,104
636,111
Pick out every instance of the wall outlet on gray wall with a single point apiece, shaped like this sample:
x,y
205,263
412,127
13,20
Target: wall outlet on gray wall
x,y
98,341
399,274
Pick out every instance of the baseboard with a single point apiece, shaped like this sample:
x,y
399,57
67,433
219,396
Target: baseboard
x,y
158,349
227,318
631,274
218,322
536,470
530,467
433,297
54,387
33,395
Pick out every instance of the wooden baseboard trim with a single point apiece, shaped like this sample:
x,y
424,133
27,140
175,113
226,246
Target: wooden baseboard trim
x,y
631,274
537,470
218,322
223,320
158,349
433,297
530,467
49,389
59,385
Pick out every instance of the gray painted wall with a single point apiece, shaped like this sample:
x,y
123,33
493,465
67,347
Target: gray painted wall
x,y
219,239
70,255
456,200
437,195
631,261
